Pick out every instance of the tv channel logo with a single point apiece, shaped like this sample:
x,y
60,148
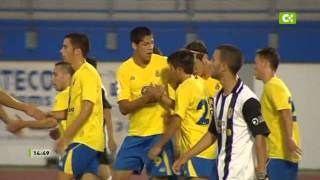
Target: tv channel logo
x,y
287,18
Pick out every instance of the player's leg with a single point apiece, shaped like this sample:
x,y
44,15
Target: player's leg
x,y
89,176
105,165
198,168
279,169
121,174
129,158
65,165
161,167
104,171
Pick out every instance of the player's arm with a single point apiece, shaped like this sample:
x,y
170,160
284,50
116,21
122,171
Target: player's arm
x,y
252,114
281,101
159,93
17,125
11,102
59,115
167,101
4,116
173,125
207,140
108,121
50,121
287,122
126,106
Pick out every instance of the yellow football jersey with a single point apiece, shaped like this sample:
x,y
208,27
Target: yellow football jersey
x,y
213,85
86,85
61,102
276,96
132,79
192,106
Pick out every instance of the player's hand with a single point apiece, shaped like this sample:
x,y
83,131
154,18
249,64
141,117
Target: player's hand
x,y
54,133
112,145
60,145
153,92
178,164
34,112
15,126
154,152
293,148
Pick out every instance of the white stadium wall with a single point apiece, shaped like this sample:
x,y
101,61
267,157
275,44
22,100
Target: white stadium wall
x,y
31,81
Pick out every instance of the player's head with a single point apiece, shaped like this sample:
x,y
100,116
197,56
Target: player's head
x,y
266,62
62,74
181,63
142,42
202,64
226,59
76,46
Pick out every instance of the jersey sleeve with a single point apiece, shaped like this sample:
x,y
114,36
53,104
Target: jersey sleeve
x,y
251,111
279,97
91,85
182,101
123,85
61,102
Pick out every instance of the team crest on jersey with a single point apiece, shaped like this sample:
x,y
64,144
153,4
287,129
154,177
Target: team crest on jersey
x,y
157,74
230,113
132,78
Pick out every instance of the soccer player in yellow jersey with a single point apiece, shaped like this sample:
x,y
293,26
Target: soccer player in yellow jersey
x,y
61,80
278,110
83,139
146,116
202,66
191,112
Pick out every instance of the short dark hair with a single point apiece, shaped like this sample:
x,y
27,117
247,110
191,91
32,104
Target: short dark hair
x,y
92,61
81,41
232,55
66,67
271,55
198,46
183,59
138,33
